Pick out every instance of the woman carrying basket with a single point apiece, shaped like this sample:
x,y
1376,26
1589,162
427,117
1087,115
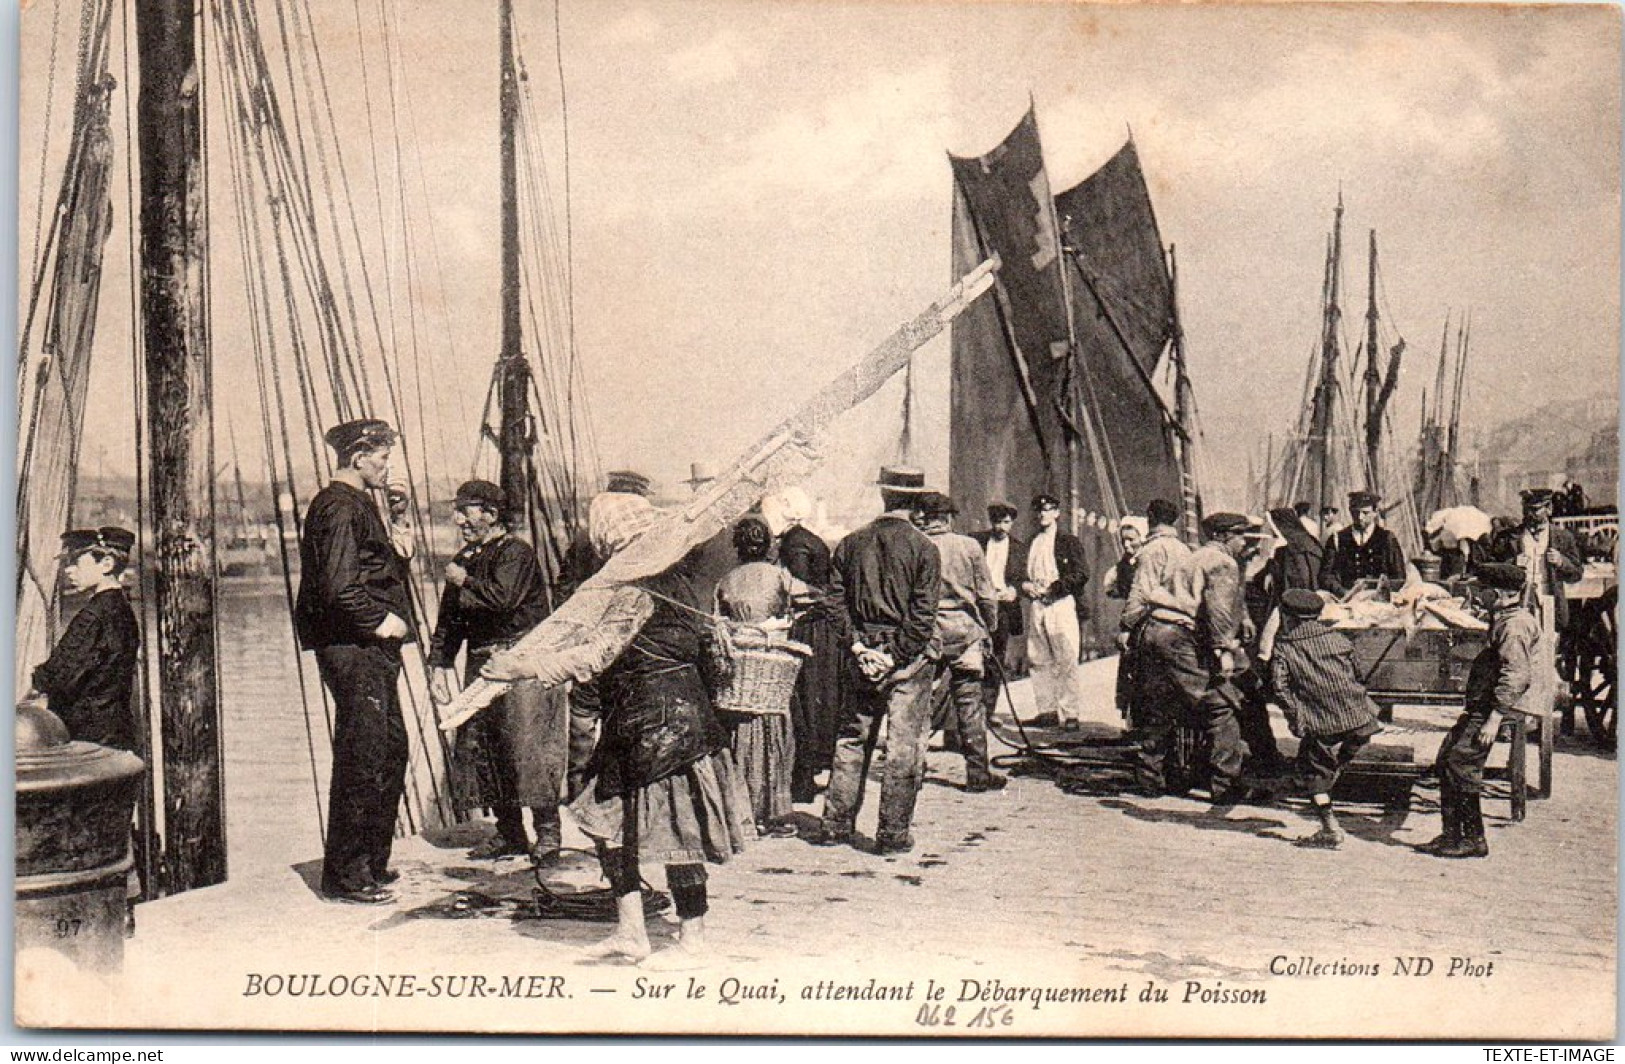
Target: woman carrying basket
x,y
756,601
661,786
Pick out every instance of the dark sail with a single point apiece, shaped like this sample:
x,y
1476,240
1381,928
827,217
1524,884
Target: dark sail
x,y
1025,418
1123,314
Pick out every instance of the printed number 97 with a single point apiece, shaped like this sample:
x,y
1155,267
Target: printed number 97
x,y
68,926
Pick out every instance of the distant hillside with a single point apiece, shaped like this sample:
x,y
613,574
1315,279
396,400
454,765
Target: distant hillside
x,y
1544,448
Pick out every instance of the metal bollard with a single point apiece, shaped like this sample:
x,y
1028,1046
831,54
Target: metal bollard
x,y
75,802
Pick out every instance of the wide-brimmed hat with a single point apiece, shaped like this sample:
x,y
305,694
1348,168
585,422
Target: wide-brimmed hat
x,y
1535,497
902,480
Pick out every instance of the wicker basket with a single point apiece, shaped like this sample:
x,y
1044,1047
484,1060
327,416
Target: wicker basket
x,y
756,671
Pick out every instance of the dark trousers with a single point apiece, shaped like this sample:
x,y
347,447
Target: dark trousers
x,y
1322,758
1176,683
969,715
369,762
994,672
1461,758
903,711
1253,719
586,710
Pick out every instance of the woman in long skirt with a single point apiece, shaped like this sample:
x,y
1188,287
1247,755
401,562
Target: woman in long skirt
x,y
660,788
815,706
760,594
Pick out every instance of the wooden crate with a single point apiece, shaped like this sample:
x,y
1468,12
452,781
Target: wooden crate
x,y
1432,663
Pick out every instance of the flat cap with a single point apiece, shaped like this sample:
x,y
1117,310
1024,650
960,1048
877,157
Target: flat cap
x,y
1502,576
1360,500
108,538
935,504
480,493
1226,524
362,432
1301,602
1046,501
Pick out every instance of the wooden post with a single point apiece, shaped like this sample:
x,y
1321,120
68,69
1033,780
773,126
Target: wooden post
x,y
513,383
175,331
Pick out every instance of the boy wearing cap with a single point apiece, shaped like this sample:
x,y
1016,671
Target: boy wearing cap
x,y
353,610
1056,577
90,676
1325,705
1500,675
495,592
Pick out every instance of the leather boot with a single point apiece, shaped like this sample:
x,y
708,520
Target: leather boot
x,y
1449,811
549,835
1471,818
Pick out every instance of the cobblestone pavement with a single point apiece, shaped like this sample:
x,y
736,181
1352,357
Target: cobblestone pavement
x,y
1029,885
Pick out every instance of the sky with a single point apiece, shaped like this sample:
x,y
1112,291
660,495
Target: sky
x,y
759,193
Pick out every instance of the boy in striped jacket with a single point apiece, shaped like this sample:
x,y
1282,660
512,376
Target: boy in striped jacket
x,y
1325,705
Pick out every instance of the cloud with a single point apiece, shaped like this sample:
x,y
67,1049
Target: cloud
x,y
714,62
880,140
636,25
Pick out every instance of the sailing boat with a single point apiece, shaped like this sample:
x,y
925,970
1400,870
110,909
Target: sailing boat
x,y
1438,457
1339,446
1055,380
322,328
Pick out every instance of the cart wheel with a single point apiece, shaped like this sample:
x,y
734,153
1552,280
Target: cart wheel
x,y
1593,684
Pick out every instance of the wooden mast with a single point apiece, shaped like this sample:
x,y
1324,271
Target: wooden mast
x,y
1326,393
175,334
1373,378
515,441
1190,497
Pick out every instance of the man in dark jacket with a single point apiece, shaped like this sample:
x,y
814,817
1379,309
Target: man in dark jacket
x,y
495,592
354,611
888,577
1054,582
90,676
1363,551
1547,554
1007,563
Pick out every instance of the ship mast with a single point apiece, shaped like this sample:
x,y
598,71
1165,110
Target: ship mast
x,y
1325,401
175,336
515,441
1373,378
1190,495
